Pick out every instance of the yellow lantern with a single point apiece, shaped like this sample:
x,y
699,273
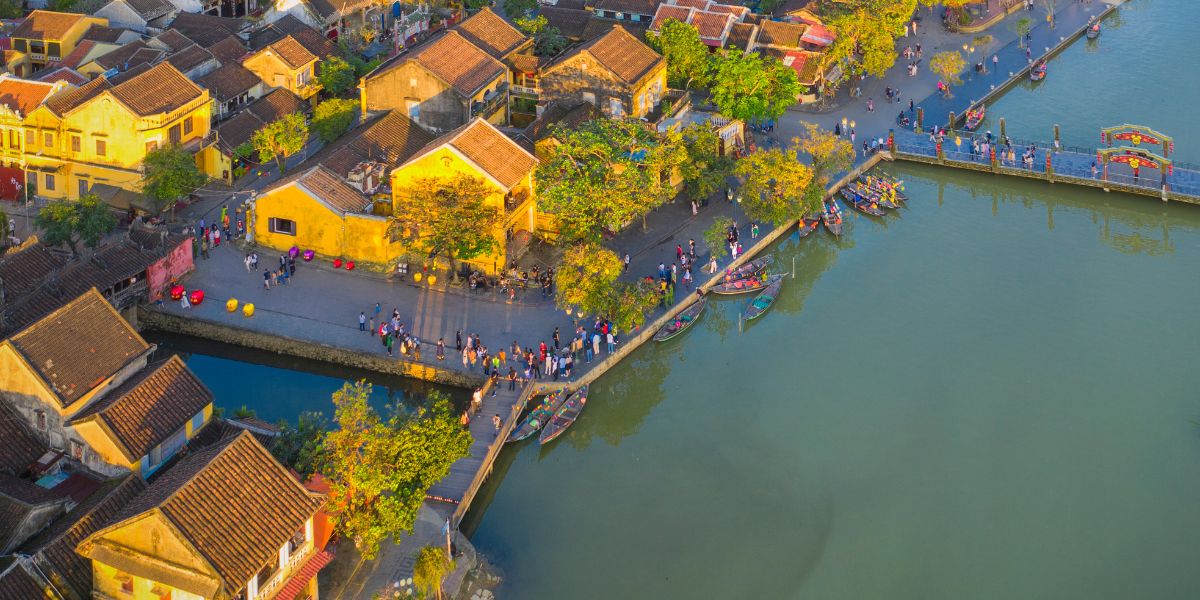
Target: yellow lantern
x,y
417,277
231,305
432,279
248,310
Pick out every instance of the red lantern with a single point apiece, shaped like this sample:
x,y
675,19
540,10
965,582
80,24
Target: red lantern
x,y
349,265
177,292
196,297
337,263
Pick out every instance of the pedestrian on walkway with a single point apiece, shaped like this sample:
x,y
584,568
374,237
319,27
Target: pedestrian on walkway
x,y
557,345
626,261
996,63
612,342
441,349
870,105
204,247
754,231
247,263
918,51
692,248
362,321
267,279
512,379
687,278
712,264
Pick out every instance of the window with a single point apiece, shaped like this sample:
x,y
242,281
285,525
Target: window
x,y
30,138
187,126
197,422
174,135
76,143
590,98
412,82
48,139
101,148
151,146
55,49
19,45
83,187
414,110
297,541
41,420
284,226
13,140
49,182
76,450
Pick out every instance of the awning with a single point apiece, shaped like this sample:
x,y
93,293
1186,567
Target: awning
x,y
44,168
834,74
304,575
817,35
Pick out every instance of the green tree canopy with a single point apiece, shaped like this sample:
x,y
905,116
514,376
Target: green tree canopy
x,y
519,8
337,76
11,9
1021,27
699,161
280,139
587,281
170,174
752,87
547,39
68,223
333,117
448,216
603,175
688,60
716,234
773,186
830,154
299,446
867,32
379,468
431,569
948,65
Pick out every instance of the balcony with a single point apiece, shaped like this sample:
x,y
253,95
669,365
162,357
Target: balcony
x,y
491,102
526,91
294,562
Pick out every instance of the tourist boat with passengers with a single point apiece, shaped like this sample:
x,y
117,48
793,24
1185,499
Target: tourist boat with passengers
x,y
538,417
1093,32
564,416
681,321
749,269
883,198
763,301
742,286
831,216
888,188
863,205
975,118
807,226
1038,72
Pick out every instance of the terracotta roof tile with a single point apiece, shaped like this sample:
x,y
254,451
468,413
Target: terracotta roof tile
x,y
205,30
308,37
24,270
570,22
20,448
391,139
229,50
109,35
144,411
54,548
151,9
18,583
619,52
331,189
233,502
459,63
76,347
23,95
711,25
740,35
291,52
525,63
683,14
160,89
640,7
46,25
780,34
81,51
70,76
600,27
558,113
189,58
481,143
277,103
237,130
229,81
26,491
173,40
123,58
491,33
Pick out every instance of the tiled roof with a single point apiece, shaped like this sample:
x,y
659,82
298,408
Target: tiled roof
x,y
233,502
780,34
491,33
291,52
18,583
600,27
54,548
237,130
308,37
189,58
160,89
24,270
459,63
297,583
229,81
229,50
76,347
525,63
493,152
277,103
101,33
124,57
151,9
46,25
26,491
683,14
619,52
391,139
144,411
20,448
23,95
173,40
19,498
711,25
70,76
570,22
741,35
331,189
790,6
81,51
205,30
557,113
640,7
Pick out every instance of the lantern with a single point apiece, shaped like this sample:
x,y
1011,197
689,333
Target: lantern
x,y
248,310
432,279
231,304
337,263
308,255
417,277
293,252
349,265
177,292
196,297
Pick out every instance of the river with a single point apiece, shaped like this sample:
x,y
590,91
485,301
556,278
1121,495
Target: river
x,y
985,397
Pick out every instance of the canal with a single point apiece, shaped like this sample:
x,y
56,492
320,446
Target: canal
x,y
985,397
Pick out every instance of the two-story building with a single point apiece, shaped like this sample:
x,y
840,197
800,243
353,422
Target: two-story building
x,y
713,21
17,98
101,131
227,521
44,38
616,73
442,84
286,64
80,378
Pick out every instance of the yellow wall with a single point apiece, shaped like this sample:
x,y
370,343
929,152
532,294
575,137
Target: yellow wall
x,y
99,441
641,104
153,537
18,380
19,61
275,73
361,238
106,581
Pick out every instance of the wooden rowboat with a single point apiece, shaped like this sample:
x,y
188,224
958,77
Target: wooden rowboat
x,y
681,321
763,301
749,269
537,417
1093,32
883,185
1038,72
808,226
565,416
975,118
880,197
832,218
742,286
863,205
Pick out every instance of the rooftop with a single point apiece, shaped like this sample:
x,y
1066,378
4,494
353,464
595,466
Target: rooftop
x,y
229,81
20,448
229,50
619,52
46,25
205,30
23,95
291,52
391,139
639,7
491,33
493,152
454,60
161,89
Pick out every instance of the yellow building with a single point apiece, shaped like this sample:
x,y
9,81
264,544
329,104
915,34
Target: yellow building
x,y
45,37
334,208
227,521
286,64
17,98
615,72
101,131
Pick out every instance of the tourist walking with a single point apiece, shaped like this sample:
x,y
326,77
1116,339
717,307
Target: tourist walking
x,y
362,321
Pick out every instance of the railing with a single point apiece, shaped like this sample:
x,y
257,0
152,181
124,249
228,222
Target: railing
x,y
522,90
293,564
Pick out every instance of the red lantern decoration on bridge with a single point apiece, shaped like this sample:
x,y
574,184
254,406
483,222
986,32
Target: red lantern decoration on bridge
x,y
337,263
196,297
177,292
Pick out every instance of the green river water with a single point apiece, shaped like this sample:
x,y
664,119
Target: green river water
x,y
987,397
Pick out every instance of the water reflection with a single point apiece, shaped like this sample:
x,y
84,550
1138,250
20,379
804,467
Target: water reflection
x,y
627,394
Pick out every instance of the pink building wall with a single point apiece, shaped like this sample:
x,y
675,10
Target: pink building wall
x,y
170,267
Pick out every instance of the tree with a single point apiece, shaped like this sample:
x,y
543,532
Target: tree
x,y
432,567
333,117
699,161
773,185
1021,27
11,9
587,282
379,468
170,174
450,216
831,154
299,446
547,40
688,60
85,220
716,235
280,139
1050,6
948,65
336,75
867,32
603,175
519,8
752,87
